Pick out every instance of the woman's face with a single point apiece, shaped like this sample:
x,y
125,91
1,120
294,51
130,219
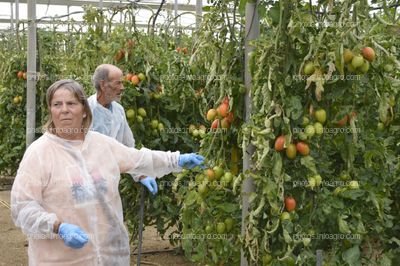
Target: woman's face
x,y
67,114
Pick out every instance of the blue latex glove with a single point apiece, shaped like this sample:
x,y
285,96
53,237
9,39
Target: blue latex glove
x,y
190,160
150,183
73,236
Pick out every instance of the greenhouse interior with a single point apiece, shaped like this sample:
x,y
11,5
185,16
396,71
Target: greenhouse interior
x,y
193,132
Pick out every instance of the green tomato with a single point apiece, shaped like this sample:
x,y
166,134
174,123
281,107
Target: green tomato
x,y
191,128
229,224
337,191
319,128
222,182
157,96
318,180
309,68
209,229
202,188
357,61
353,184
312,182
202,133
320,115
344,176
199,178
218,171
365,67
351,68
381,126
305,121
310,131
195,133
139,119
302,136
141,76
285,216
228,177
306,241
142,112
221,228
160,127
130,114
154,123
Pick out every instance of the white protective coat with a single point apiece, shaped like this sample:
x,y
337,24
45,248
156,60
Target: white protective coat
x,y
76,182
112,122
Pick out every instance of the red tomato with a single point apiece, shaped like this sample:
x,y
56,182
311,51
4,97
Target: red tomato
x,y
303,148
223,109
279,143
214,124
290,204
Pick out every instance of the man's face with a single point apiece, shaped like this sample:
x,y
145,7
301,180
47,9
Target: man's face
x,y
113,87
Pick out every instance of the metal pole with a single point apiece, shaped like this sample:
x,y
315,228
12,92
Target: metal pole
x,y
320,257
199,12
17,14
120,14
69,21
175,15
31,75
12,17
252,32
141,215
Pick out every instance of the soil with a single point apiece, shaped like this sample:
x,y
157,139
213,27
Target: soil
x,y
14,246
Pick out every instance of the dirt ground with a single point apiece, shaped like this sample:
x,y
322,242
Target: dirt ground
x,y
13,244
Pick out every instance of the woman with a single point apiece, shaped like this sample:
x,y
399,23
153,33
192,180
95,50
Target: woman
x,y
65,196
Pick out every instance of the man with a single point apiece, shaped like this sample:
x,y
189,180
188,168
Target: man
x,y
109,116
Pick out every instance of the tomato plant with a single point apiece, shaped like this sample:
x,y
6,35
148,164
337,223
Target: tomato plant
x,y
310,73
325,82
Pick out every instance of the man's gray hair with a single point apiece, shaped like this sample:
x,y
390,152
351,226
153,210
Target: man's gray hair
x,y
101,73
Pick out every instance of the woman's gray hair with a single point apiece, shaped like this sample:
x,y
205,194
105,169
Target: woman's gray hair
x,y
101,73
77,90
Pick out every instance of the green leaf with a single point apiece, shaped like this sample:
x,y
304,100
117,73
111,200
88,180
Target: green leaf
x,y
339,61
361,228
294,107
395,240
352,256
286,236
277,165
383,109
191,198
214,255
353,194
242,7
309,163
343,226
227,207
372,197
274,13
187,244
384,260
